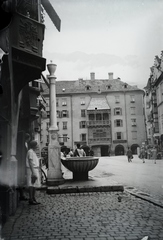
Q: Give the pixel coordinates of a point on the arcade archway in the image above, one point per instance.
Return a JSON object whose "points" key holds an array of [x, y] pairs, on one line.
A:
{"points": [[119, 150]]}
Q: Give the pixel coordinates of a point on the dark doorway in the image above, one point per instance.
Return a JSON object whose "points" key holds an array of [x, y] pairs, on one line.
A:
{"points": [[134, 148], [119, 150], [104, 151]]}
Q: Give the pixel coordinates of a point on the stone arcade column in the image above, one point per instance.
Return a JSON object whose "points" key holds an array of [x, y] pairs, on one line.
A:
{"points": [[54, 175]]}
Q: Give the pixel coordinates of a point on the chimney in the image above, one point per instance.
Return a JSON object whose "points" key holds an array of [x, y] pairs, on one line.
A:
{"points": [[110, 76], [92, 75]]}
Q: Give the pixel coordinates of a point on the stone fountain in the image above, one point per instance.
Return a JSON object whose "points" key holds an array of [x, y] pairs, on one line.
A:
{"points": [[80, 166]]}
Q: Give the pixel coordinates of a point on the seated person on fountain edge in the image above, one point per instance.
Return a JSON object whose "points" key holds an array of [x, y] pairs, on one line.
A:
{"points": [[79, 152], [63, 154]]}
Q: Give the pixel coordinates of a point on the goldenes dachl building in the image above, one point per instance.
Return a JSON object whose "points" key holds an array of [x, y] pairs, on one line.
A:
{"points": [[105, 114]]}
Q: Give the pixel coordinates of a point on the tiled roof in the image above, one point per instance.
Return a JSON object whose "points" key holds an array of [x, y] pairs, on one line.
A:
{"points": [[98, 103], [86, 86]]}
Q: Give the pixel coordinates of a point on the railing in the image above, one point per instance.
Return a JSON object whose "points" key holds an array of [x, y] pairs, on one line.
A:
{"points": [[99, 140], [98, 123]]}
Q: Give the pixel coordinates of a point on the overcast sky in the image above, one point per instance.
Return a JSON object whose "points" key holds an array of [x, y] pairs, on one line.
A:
{"points": [[102, 36]]}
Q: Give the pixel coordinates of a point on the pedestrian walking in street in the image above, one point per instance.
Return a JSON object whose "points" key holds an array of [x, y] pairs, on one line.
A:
{"points": [[33, 172], [149, 153], [142, 153], [154, 154], [79, 152], [129, 155]]}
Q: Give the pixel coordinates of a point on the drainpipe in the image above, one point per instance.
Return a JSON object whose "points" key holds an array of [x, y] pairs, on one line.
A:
{"points": [[126, 117], [72, 137]]}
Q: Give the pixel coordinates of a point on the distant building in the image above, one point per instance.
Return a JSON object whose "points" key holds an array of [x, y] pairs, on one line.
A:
{"points": [[107, 115]]}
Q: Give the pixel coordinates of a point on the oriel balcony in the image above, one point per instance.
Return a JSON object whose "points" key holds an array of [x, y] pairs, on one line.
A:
{"points": [[94, 123]]}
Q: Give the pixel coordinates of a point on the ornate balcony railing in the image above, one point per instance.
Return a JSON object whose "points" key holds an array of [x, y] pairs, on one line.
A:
{"points": [[93, 123], [99, 140]]}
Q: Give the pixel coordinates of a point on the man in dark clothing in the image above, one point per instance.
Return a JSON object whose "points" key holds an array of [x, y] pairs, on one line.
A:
{"points": [[129, 155]]}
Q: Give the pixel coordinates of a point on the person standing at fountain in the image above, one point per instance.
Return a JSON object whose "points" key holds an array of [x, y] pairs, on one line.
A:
{"points": [[79, 152], [22, 189], [33, 172]]}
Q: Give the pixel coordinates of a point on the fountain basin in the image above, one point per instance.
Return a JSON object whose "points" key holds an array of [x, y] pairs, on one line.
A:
{"points": [[80, 166]]}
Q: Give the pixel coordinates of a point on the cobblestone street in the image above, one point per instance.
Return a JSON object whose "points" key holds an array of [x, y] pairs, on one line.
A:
{"points": [[86, 216]]}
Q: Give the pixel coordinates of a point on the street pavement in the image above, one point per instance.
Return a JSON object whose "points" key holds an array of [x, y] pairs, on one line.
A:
{"points": [[99, 209]]}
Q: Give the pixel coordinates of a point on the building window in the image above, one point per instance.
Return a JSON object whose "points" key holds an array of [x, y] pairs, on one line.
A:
{"points": [[83, 137], [82, 124], [34, 84], [134, 134], [83, 113], [64, 113], [162, 120], [117, 99], [64, 125], [105, 116], [64, 137], [64, 102], [88, 87], [117, 111], [99, 133], [119, 135], [133, 121], [132, 98], [58, 114], [91, 117], [47, 125], [132, 110], [57, 102], [82, 101], [118, 123], [48, 113], [108, 87]]}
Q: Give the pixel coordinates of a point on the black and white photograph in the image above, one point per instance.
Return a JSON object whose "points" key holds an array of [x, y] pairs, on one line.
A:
{"points": [[81, 120]]}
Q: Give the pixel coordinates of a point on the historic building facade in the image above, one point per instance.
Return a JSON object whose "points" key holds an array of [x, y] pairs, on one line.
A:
{"points": [[154, 103], [105, 114]]}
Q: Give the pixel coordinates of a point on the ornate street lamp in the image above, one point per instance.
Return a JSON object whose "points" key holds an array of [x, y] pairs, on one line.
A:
{"points": [[54, 174]]}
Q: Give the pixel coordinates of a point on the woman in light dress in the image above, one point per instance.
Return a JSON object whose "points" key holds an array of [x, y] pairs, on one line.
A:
{"points": [[33, 172]]}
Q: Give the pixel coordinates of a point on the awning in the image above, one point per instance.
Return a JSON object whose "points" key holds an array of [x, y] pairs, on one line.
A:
{"points": [[98, 104]]}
